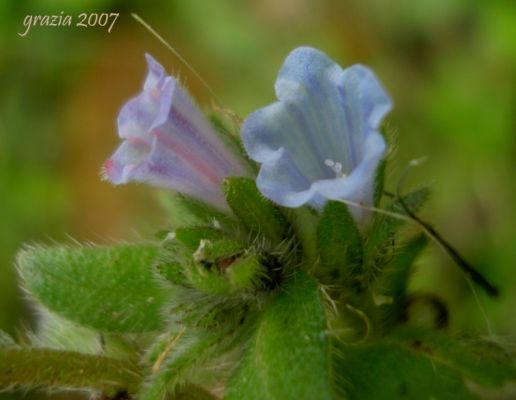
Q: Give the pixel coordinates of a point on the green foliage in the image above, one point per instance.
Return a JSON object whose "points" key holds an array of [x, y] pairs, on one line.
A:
{"points": [[256, 212], [112, 289], [246, 306], [416, 364], [382, 231], [340, 246], [205, 259], [26, 368], [191, 236], [6, 340], [379, 182], [184, 212], [288, 346], [392, 285], [58, 333], [179, 357], [246, 272], [263, 303]]}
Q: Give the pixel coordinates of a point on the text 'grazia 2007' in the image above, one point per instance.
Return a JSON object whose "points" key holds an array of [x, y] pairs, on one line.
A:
{"points": [[83, 20]]}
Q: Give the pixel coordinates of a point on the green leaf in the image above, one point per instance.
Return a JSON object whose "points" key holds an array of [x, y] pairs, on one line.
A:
{"points": [[287, 357], [175, 363], [176, 358], [257, 213], [393, 284], [26, 368], [58, 333], [384, 227], [423, 364], [340, 246], [112, 289]]}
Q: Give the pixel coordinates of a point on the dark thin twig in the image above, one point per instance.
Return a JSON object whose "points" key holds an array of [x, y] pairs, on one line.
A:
{"points": [[471, 272]]}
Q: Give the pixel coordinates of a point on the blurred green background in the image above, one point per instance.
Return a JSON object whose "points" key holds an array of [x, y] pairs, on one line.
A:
{"points": [[450, 66]]}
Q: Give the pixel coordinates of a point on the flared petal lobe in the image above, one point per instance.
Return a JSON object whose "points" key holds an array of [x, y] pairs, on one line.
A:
{"points": [[321, 140], [169, 143]]}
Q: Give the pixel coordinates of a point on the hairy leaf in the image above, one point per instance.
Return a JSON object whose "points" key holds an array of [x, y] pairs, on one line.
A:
{"points": [[379, 181], [417, 364], [340, 246], [393, 284], [186, 211], [112, 289], [287, 358], [179, 356], [384, 227], [257, 213], [28, 368]]}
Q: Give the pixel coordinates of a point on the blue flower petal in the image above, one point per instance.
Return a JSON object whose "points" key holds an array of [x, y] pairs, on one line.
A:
{"points": [[324, 115]]}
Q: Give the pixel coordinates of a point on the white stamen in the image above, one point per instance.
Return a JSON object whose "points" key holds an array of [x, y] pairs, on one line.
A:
{"points": [[200, 253], [335, 167]]}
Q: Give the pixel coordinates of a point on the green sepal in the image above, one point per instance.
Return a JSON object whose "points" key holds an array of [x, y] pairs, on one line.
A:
{"points": [[112, 289], [209, 281], [417, 364], [379, 182], [392, 285], [185, 211], [246, 273], [243, 273], [206, 272], [290, 343], [230, 135], [258, 214], [340, 246], [204, 259], [304, 226], [192, 236], [172, 262], [378, 246], [218, 253]]}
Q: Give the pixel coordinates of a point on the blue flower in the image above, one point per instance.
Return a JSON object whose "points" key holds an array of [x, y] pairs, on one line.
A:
{"points": [[169, 143], [321, 140]]}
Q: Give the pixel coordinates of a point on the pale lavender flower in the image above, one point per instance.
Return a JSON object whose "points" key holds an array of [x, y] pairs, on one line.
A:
{"points": [[169, 143], [321, 140]]}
